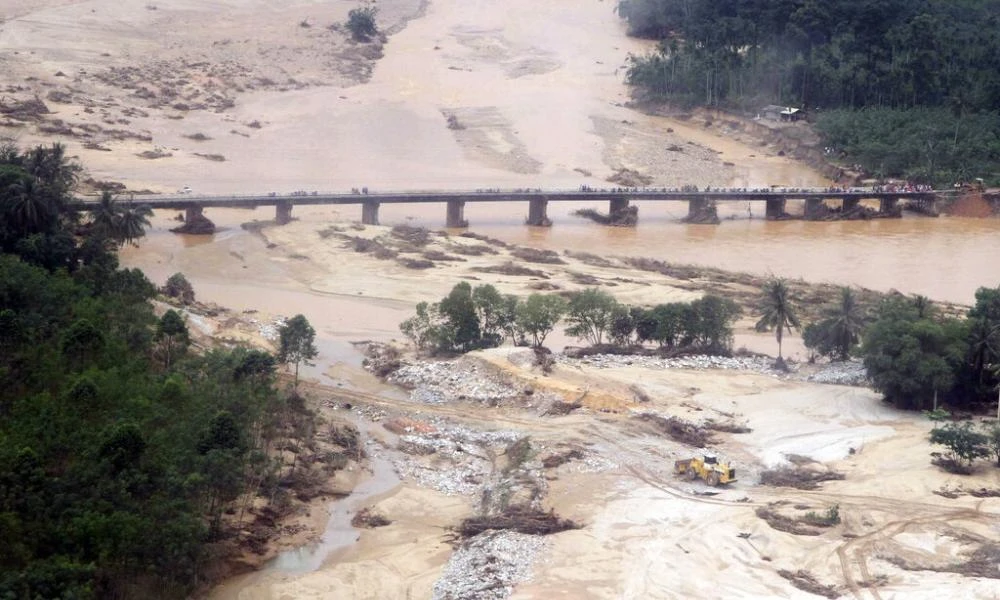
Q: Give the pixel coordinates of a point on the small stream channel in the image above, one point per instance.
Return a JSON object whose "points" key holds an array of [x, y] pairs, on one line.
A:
{"points": [[339, 533]]}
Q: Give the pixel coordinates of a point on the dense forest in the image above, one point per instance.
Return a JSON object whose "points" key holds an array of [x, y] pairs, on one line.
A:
{"points": [[119, 449], [931, 64]]}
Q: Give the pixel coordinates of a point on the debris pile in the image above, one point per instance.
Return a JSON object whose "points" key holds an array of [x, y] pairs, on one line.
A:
{"points": [[841, 373], [450, 381], [488, 566]]}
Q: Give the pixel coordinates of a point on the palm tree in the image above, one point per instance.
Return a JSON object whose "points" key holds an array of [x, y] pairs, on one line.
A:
{"points": [[52, 167], [923, 305], [846, 320], [132, 223], [777, 310], [28, 206], [105, 218]]}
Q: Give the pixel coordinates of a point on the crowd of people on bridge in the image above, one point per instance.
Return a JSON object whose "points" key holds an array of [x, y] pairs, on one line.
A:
{"points": [[774, 189]]}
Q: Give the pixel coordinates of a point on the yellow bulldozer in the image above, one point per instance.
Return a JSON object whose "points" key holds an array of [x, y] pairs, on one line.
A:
{"points": [[707, 467]]}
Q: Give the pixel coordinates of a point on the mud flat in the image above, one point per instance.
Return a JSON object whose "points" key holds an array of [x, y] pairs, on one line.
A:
{"points": [[643, 531]]}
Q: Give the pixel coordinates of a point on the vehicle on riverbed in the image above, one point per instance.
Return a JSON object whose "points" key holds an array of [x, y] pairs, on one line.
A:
{"points": [[707, 468]]}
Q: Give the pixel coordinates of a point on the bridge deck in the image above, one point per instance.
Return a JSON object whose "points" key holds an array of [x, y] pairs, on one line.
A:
{"points": [[181, 201]]}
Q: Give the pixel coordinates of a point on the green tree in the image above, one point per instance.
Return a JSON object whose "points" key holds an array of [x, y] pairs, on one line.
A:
{"points": [[590, 313], [104, 218], [645, 324], [132, 223], [962, 442], [296, 343], [460, 318], [179, 287], [991, 432], [709, 324], [672, 321], [493, 314], [538, 315], [423, 328], [777, 312], [172, 335], [840, 329], [911, 359], [622, 326], [28, 206]]}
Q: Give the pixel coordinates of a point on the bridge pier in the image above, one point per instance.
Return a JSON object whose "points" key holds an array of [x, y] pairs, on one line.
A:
{"points": [[537, 215], [621, 214], [617, 206], [195, 221], [283, 212], [702, 210], [775, 208], [456, 214], [889, 206], [814, 209], [193, 212], [369, 212], [850, 204]]}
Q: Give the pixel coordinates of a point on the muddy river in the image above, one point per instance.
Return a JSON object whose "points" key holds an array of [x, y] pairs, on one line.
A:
{"points": [[946, 258]]}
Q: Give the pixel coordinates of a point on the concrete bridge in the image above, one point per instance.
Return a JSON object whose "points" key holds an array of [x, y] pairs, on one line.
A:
{"points": [[701, 204]]}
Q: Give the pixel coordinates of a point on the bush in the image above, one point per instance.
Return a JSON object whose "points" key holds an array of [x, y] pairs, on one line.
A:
{"points": [[179, 287], [962, 442], [361, 23]]}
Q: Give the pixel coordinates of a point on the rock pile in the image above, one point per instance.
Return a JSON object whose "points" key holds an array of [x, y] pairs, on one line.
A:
{"points": [[449, 381], [453, 460], [839, 373], [850, 372], [488, 566], [757, 364]]}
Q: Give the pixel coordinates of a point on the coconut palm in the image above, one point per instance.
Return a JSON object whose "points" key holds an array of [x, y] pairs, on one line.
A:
{"points": [[777, 311], [27, 205], [52, 168], [845, 322], [132, 223], [106, 216], [924, 306]]}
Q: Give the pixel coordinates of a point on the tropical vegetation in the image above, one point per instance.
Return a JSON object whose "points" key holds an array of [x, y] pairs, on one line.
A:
{"points": [[124, 455], [777, 312], [456, 324], [903, 87]]}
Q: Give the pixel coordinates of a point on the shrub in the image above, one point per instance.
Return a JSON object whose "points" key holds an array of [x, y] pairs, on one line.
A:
{"points": [[179, 287], [962, 442], [361, 23]]}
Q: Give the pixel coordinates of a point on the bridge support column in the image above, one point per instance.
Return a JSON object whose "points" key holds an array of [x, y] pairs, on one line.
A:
{"points": [[814, 209], [369, 212], [195, 221], [889, 206], [775, 208], [621, 214], [283, 212], [850, 204], [537, 213], [617, 206], [456, 214], [702, 210]]}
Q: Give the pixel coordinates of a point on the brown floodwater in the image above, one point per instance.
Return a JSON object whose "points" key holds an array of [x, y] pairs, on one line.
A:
{"points": [[946, 258]]}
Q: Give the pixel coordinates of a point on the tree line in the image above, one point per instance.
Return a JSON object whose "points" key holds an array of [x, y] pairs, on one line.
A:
{"points": [[472, 318], [123, 454], [913, 354], [888, 57]]}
